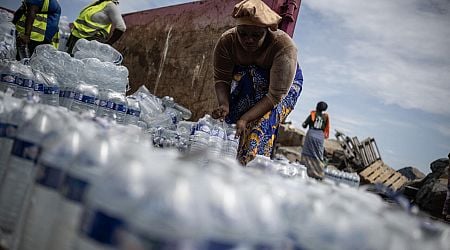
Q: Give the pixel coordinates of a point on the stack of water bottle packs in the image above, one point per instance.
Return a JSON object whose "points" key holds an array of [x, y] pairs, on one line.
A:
{"points": [[7, 36], [341, 177], [81, 167], [69, 182]]}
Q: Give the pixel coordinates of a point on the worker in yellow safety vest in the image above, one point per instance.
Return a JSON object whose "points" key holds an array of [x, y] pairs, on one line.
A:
{"points": [[95, 22], [36, 23]]}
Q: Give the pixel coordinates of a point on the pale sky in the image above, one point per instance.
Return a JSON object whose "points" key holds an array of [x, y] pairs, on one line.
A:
{"points": [[382, 66]]}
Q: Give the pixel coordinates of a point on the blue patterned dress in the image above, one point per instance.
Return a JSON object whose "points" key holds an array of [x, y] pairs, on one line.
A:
{"points": [[250, 84]]}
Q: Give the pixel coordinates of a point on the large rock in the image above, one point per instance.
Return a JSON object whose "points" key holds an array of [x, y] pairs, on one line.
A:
{"points": [[290, 136], [331, 146], [431, 195], [411, 173], [291, 153], [439, 165]]}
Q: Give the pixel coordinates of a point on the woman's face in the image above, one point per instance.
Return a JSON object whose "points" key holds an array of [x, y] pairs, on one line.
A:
{"points": [[251, 37]]}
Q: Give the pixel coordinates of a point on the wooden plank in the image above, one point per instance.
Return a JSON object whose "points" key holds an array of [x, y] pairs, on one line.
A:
{"points": [[399, 183], [377, 150], [385, 176], [372, 152], [373, 176], [370, 169], [363, 155], [393, 179]]}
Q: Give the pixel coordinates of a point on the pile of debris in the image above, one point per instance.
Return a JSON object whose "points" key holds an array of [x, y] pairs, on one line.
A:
{"points": [[349, 154]]}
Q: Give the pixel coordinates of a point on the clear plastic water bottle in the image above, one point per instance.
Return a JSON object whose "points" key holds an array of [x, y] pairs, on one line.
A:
{"points": [[105, 109], [134, 110], [119, 104], [84, 98], [118, 80], [93, 159], [7, 40], [23, 51], [8, 75], [38, 85], [201, 135], [51, 90], [52, 165], [70, 76], [232, 143], [216, 140], [169, 102], [112, 199], [15, 189], [151, 105], [24, 82], [15, 113]]}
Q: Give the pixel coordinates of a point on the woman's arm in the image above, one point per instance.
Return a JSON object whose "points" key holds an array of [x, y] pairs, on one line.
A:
{"points": [[307, 121], [223, 97], [223, 73]]}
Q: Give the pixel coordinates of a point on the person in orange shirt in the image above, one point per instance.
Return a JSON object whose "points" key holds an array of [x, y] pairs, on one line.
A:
{"points": [[319, 129]]}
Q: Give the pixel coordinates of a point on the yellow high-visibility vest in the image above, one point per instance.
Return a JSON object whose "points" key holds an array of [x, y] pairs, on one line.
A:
{"points": [[55, 40], [84, 27], [39, 24]]}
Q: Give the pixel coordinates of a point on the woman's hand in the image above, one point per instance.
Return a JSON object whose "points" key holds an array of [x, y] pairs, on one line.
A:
{"points": [[220, 112], [241, 127]]}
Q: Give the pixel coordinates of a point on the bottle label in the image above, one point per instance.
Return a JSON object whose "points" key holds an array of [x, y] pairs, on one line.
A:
{"points": [[49, 177], [62, 93], [27, 83], [77, 96], [133, 112], [204, 128], [173, 117], [25, 150], [218, 133], [8, 78], [102, 103], [88, 99], [38, 87], [102, 227], [74, 189], [120, 107], [69, 94], [19, 81], [51, 90], [84, 98], [110, 105], [8, 130]]}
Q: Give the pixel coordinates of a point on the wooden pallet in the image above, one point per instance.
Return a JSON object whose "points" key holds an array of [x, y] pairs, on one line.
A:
{"points": [[378, 172]]}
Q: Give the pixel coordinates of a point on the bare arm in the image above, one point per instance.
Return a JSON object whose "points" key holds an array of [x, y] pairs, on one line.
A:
{"points": [[223, 70], [31, 12], [307, 121], [115, 36], [117, 21]]}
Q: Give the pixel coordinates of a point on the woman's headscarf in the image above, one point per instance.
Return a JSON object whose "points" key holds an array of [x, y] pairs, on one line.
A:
{"points": [[256, 12]]}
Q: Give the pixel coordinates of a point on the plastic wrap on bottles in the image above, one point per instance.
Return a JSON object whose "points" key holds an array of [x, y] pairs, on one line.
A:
{"points": [[94, 49]]}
